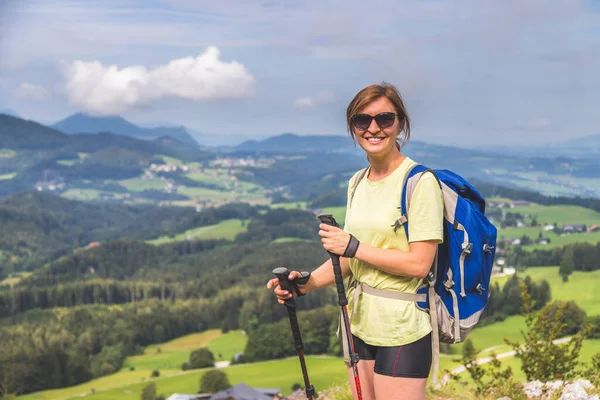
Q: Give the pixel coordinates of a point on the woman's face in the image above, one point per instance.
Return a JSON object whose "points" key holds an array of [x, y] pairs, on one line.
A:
{"points": [[377, 141]]}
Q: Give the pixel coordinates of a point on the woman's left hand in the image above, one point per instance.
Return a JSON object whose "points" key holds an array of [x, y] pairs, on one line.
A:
{"points": [[334, 239]]}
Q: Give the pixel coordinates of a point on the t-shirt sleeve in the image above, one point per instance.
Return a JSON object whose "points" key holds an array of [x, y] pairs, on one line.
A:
{"points": [[426, 211]]}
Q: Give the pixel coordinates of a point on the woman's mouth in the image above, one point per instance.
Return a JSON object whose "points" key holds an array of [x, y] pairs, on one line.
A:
{"points": [[375, 140]]}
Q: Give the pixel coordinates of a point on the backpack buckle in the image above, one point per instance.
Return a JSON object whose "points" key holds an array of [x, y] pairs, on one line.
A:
{"points": [[430, 277], [467, 247], [399, 222], [449, 284], [479, 289]]}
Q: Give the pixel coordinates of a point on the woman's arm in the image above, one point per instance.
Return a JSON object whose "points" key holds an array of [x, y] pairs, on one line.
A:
{"points": [[415, 263]]}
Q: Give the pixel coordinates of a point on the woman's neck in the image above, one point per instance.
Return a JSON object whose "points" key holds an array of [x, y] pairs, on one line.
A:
{"points": [[382, 167]]}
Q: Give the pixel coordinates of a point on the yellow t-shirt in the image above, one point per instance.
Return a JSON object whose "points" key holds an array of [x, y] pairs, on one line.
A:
{"points": [[376, 205]]}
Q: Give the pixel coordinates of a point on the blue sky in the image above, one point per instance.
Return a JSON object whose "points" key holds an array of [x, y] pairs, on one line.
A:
{"points": [[472, 72]]}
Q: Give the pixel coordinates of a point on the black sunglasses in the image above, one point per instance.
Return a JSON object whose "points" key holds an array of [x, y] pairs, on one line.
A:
{"points": [[384, 120]]}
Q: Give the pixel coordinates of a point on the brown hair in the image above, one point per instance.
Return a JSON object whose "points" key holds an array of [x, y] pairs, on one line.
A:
{"points": [[372, 93]]}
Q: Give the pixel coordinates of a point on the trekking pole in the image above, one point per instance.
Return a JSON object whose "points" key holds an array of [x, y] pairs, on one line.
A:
{"points": [[343, 301], [290, 304]]}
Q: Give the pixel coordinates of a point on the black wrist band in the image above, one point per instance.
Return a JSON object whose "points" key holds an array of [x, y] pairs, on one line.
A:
{"points": [[351, 247]]}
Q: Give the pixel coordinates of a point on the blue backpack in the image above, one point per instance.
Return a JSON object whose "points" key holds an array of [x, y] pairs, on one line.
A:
{"points": [[457, 288]]}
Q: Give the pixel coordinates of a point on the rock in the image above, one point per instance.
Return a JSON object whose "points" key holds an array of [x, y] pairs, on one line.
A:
{"points": [[533, 389], [576, 391]]}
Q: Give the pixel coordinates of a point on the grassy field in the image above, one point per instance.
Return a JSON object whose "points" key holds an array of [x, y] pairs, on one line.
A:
{"points": [[583, 287], [175, 352], [227, 229], [138, 184], [165, 357], [339, 213], [206, 194], [7, 153], [282, 374], [208, 178], [225, 346], [81, 194], [547, 215], [290, 206], [561, 214], [69, 163], [6, 177], [324, 372], [14, 278]]}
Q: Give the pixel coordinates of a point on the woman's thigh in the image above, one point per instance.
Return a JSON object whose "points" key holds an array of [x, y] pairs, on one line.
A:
{"points": [[401, 372], [365, 374]]}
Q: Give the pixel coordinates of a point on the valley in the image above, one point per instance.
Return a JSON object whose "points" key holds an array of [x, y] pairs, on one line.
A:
{"points": [[120, 254]]}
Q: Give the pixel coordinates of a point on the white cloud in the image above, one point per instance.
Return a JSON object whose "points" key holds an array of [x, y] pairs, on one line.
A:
{"points": [[109, 89], [30, 91], [304, 102], [321, 97]]}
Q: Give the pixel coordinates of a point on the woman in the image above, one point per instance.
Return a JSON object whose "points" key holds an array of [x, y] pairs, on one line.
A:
{"points": [[392, 337]]}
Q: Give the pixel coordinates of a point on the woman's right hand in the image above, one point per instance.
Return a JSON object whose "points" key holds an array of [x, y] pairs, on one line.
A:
{"points": [[282, 294]]}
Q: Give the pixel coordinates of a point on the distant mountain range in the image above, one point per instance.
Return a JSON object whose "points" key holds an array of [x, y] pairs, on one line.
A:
{"points": [[570, 169], [10, 112], [84, 123]]}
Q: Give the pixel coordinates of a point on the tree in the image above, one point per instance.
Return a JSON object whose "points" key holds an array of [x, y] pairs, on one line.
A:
{"points": [[541, 358], [149, 392], [573, 318], [567, 264], [214, 381], [201, 358]]}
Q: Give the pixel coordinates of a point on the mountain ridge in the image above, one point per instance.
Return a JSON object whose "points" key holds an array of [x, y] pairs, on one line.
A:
{"points": [[81, 123]]}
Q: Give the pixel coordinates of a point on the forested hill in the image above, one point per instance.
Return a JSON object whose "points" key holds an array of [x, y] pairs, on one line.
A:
{"points": [[20, 134], [495, 190], [38, 227]]}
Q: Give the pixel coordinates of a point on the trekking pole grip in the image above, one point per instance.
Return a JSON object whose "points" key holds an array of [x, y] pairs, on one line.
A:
{"points": [[282, 274], [339, 279], [335, 260]]}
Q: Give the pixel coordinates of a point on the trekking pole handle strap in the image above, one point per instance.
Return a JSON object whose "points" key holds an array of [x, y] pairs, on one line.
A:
{"points": [[351, 248]]}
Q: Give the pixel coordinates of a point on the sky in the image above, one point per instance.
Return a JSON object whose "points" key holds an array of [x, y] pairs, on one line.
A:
{"points": [[472, 73]]}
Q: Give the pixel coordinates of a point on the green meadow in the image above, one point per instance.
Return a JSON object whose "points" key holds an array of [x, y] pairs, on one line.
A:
{"points": [[212, 178], [227, 229], [139, 184], [171, 355], [325, 371], [5, 177], [547, 215], [165, 357], [583, 287], [81, 194], [7, 153], [206, 194]]}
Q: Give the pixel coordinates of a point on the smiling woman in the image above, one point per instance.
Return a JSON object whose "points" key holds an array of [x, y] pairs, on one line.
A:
{"points": [[392, 338]]}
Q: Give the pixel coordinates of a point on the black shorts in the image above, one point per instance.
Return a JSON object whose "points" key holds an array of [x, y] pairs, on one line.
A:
{"points": [[412, 360]]}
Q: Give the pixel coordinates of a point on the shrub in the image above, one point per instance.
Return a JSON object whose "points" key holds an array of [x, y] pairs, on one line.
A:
{"points": [[214, 381], [201, 358]]}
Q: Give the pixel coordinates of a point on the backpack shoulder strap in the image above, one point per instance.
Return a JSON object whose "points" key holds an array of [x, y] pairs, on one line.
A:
{"points": [[358, 177], [408, 188]]}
